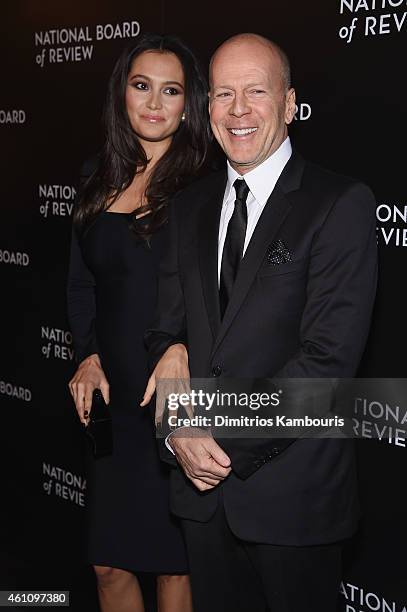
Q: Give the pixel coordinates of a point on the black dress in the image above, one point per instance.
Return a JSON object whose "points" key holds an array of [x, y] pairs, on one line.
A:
{"points": [[111, 296]]}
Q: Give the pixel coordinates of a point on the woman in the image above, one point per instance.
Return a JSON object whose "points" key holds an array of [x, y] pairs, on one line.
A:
{"points": [[156, 141]]}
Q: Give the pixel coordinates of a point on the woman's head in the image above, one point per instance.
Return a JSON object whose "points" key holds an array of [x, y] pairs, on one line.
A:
{"points": [[154, 96], [157, 92]]}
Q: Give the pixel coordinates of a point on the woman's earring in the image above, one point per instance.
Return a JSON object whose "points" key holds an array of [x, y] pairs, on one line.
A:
{"points": [[183, 117]]}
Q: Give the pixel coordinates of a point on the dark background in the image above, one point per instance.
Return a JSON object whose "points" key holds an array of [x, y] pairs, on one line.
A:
{"points": [[356, 91]]}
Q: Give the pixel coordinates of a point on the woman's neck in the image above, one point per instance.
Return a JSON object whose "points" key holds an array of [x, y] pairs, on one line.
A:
{"points": [[155, 150], [134, 196]]}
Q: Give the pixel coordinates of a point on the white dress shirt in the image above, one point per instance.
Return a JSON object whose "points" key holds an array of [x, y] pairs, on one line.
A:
{"points": [[261, 182]]}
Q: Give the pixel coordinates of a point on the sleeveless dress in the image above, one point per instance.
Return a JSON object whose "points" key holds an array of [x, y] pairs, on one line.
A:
{"points": [[111, 298]]}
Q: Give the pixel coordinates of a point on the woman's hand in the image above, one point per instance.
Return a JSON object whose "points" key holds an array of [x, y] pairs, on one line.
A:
{"points": [[171, 375], [88, 377]]}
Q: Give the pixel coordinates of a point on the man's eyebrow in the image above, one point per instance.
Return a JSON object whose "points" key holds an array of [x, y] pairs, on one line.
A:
{"points": [[254, 84]]}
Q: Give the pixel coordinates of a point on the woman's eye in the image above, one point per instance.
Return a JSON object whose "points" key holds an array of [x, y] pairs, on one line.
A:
{"points": [[172, 91], [140, 85]]}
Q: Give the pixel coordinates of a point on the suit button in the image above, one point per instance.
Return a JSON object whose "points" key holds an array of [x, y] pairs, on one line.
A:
{"points": [[275, 451], [217, 370]]}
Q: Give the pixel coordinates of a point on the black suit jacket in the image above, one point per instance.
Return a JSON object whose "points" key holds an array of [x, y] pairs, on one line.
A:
{"points": [[305, 318]]}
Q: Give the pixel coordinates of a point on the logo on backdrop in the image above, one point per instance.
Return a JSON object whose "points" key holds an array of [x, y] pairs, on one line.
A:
{"points": [[393, 229], [302, 112], [380, 420], [56, 200], [15, 258], [15, 391], [57, 343], [12, 116], [368, 18], [76, 44], [64, 484], [358, 599]]}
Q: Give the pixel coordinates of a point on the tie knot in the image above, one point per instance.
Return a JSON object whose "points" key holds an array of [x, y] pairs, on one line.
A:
{"points": [[241, 189]]}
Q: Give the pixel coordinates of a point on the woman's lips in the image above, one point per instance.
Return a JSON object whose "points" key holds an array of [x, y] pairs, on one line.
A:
{"points": [[153, 118]]}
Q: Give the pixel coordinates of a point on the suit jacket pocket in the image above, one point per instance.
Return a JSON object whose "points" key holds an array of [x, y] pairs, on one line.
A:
{"points": [[268, 269]]}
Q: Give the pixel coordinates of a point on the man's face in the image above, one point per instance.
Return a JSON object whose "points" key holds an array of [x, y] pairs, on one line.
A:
{"points": [[249, 105]]}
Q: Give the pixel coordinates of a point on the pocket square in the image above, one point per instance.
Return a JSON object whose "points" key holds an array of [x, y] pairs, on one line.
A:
{"points": [[278, 253]]}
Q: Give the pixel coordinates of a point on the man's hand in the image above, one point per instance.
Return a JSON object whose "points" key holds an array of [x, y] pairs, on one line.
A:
{"points": [[172, 367], [88, 376], [201, 458]]}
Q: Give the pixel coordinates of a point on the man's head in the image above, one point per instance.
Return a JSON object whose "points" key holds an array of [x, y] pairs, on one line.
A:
{"points": [[251, 101]]}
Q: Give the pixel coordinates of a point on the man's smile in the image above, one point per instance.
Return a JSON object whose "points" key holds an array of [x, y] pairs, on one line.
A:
{"points": [[242, 131]]}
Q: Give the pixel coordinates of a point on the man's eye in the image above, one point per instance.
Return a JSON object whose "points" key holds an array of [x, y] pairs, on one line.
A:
{"points": [[257, 91], [223, 94]]}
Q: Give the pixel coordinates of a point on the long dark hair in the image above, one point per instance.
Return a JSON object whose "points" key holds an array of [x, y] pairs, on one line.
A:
{"points": [[123, 155]]}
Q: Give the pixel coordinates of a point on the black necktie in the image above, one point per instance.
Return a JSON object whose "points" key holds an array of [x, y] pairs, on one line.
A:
{"points": [[234, 243]]}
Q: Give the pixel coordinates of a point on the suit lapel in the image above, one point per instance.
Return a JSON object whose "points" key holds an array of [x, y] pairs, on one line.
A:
{"points": [[275, 211], [208, 249]]}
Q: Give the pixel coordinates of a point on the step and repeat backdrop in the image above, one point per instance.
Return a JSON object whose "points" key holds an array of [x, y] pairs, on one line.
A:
{"points": [[347, 60]]}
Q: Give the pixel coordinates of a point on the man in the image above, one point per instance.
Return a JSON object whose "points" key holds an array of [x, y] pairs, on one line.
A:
{"points": [[270, 272]]}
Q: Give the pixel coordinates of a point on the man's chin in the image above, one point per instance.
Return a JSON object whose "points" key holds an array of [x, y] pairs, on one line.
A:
{"points": [[243, 163], [242, 156]]}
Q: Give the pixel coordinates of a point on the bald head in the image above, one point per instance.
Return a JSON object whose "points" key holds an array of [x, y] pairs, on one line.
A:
{"points": [[266, 46]]}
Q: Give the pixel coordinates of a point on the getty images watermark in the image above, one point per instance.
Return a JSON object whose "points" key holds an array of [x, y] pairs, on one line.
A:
{"points": [[285, 408], [201, 400]]}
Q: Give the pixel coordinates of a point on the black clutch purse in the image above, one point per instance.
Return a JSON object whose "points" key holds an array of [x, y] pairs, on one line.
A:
{"points": [[99, 428]]}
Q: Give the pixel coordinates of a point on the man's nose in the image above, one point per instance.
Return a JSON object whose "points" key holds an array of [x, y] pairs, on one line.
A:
{"points": [[154, 100], [240, 106]]}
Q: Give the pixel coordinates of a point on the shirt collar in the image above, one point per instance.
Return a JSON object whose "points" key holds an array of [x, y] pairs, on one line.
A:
{"points": [[262, 179]]}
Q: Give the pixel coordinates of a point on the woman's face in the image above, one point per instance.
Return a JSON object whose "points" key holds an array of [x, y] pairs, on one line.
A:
{"points": [[155, 95]]}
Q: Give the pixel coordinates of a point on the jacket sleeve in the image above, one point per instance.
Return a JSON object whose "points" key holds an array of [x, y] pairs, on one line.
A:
{"points": [[335, 323], [169, 322], [341, 291]]}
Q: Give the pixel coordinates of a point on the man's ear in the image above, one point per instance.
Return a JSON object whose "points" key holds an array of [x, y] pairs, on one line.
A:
{"points": [[209, 101], [290, 106]]}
